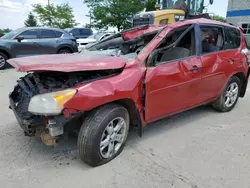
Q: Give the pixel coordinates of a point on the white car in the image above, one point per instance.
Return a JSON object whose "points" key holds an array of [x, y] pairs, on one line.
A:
{"points": [[91, 39]]}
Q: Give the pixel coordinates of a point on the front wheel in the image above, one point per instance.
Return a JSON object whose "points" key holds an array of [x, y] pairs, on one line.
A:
{"points": [[3, 61], [103, 134], [64, 51], [229, 96]]}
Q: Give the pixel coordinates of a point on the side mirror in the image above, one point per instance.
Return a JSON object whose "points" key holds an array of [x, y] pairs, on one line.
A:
{"points": [[211, 1], [20, 38]]}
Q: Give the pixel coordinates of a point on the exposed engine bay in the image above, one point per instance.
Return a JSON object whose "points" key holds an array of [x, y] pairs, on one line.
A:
{"points": [[44, 82]]}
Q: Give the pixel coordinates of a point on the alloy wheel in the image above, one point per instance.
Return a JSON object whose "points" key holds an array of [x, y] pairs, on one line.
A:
{"points": [[113, 137], [231, 94], [2, 61]]}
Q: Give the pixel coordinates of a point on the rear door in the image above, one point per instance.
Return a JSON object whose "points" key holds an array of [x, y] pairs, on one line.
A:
{"points": [[49, 40], [173, 80], [28, 46], [219, 57]]}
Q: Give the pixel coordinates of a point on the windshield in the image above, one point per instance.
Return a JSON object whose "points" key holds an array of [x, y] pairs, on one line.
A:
{"points": [[11, 34], [121, 45], [195, 6], [96, 36]]}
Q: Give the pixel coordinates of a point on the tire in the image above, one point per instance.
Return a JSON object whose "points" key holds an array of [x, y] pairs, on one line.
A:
{"points": [[64, 51], [3, 61], [95, 129], [221, 103]]}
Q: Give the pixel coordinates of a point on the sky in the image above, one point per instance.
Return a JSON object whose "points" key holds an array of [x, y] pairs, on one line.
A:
{"points": [[14, 12]]}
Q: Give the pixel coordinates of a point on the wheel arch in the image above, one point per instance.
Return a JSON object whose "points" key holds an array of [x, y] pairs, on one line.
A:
{"points": [[65, 47], [5, 52], [136, 119], [243, 81]]}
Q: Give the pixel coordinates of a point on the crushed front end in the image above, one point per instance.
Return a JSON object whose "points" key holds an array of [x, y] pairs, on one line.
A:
{"points": [[38, 102], [45, 127]]}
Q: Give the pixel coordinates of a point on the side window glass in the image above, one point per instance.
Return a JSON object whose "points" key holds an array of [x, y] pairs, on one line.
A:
{"points": [[30, 34], [164, 22], [85, 32], [246, 27], [212, 39], [75, 32], [58, 34], [179, 44], [47, 34], [233, 39]]}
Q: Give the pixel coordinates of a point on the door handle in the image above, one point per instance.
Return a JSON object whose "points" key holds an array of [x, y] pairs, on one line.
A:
{"points": [[195, 68]]}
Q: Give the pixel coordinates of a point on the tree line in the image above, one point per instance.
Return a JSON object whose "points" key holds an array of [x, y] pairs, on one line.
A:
{"points": [[102, 14]]}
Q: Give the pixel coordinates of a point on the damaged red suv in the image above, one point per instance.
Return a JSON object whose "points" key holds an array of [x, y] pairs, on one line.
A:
{"points": [[129, 80]]}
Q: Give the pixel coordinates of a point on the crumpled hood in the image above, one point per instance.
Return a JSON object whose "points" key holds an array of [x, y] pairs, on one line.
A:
{"points": [[67, 62]]}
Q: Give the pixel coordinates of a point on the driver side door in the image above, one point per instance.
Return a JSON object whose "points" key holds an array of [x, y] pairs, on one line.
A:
{"points": [[174, 80], [28, 46]]}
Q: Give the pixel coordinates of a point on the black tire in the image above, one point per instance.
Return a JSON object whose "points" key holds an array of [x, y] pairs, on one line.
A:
{"points": [[219, 104], [3, 56], [93, 127], [64, 51]]}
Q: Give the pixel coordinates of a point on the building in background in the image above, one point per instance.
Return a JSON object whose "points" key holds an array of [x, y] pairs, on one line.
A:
{"points": [[238, 13]]}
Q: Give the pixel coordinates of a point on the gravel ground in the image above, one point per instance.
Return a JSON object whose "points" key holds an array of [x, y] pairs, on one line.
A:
{"points": [[198, 148]]}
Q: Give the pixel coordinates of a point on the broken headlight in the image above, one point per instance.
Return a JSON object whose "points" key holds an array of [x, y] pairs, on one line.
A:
{"points": [[50, 103]]}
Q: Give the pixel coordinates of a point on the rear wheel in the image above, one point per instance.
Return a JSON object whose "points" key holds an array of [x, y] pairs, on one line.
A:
{"points": [[103, 134], [229, 96], [3, 61], [64, 51]]}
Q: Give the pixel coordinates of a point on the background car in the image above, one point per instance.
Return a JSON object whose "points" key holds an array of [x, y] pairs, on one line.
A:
{"points": [[82, 43], [80, 32], [35, 41]]}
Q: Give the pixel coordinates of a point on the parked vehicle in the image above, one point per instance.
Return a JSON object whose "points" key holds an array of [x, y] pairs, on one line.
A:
{"points": [[30, 41], [82, 43], [172, 11], [129, 80], [79, 33]]}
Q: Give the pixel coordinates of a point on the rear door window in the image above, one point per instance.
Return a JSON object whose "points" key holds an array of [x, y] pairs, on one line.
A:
{"points": [[212, 39], [47, 34], [232, 38], [58, 34]]}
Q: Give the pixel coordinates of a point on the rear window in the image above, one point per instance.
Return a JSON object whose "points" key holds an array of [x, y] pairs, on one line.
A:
{"points": [[232, 36]]}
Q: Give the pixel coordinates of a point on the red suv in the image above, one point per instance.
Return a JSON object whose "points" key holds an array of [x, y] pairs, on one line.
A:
{"points": [[129, 80]]}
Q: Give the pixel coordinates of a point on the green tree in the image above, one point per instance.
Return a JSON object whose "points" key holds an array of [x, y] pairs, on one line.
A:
{"points": [[150, 5], [113, 13], [31, 21], [4, 31], [55, 15], [219, 18]]}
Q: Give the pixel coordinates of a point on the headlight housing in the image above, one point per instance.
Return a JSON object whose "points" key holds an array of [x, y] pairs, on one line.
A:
{"points": [[50, 103]]}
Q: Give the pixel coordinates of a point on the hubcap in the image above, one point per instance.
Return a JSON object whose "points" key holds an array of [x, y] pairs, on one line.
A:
{"points": [[113, 137], [231, 94], [2, 61]]}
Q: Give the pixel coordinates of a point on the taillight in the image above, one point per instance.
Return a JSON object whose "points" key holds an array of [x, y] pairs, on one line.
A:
{"points": [[247, 54]]}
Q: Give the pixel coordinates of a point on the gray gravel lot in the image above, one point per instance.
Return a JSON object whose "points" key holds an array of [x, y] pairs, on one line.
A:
{"points": [[198, 148]]}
